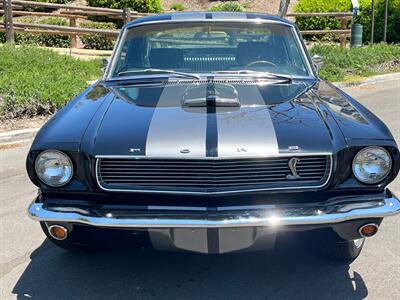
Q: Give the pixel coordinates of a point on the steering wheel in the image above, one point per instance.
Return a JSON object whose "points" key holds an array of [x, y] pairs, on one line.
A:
{"points": [[259, 62]]}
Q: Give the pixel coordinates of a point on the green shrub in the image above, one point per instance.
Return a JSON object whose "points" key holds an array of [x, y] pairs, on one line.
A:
{"points": [[364, 17], [363, 61], [145, 6], [228, 6], [46, 40], [36, 81], [54, 40], [177, 7], [98, 41]]}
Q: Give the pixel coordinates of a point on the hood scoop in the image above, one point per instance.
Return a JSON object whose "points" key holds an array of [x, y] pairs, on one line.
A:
{"points": [[210, 94]]}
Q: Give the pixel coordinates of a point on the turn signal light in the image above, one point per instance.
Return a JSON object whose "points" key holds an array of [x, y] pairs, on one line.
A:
{"points": [[368, 230], [58, 232]]}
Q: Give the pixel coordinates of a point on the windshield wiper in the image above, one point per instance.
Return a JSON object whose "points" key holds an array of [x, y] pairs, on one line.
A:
{"points": [[160, 71], [258, 74]]}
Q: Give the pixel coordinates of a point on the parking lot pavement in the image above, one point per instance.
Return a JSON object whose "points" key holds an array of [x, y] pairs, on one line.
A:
{"points": [[30, 267]]}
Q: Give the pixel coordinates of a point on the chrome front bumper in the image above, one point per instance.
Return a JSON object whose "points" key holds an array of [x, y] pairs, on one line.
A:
{"points": [[226, 217]]}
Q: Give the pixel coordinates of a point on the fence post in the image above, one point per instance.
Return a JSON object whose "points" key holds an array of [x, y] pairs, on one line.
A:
{"points": [[8, 21], [74, 40], [283, 7], [385, 21], [372, 21], [126, 15], [343, 25]]}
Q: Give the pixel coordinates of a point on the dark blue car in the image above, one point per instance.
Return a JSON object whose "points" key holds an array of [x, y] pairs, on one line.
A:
{"points": [[213, 133]]}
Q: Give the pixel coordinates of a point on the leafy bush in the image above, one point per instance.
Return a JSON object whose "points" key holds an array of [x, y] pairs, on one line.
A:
{"points": [[228, 6], [363, 61], [393, 28], [54, 40], [47, 40], [97, 41], [145, 6], [36, 81], [364, 17], [177, 7]]}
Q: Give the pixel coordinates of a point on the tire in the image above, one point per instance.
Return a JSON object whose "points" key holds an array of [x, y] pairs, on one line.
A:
{"points": [[79, 240], [346, 250]]}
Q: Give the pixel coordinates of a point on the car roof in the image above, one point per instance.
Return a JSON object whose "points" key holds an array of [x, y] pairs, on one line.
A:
{"points": [[196, 16]]}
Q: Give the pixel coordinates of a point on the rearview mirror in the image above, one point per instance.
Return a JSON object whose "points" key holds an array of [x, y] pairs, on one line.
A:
{"points": [[105, 63], [318, 61]]}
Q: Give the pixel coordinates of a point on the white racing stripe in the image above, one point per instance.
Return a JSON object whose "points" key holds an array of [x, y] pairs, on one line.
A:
{"points": [[248, 131], [173, 130], [189, 16]]}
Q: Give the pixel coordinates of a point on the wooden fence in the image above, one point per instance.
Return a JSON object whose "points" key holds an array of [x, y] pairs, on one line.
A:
{"points": [[15, 8], [343, 32]]}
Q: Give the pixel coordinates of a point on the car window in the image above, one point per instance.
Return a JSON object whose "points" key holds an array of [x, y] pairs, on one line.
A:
{"points": [[212, 47]]}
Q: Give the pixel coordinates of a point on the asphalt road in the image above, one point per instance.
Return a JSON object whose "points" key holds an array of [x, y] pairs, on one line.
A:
{"points": [[30, 267]]}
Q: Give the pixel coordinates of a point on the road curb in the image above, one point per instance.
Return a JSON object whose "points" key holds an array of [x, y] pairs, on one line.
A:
{"points": [[17, 136], [370, 80]]}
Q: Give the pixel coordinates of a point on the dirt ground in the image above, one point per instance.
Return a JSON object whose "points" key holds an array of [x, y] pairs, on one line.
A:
{"points": [[16, 124], [265, 6]]}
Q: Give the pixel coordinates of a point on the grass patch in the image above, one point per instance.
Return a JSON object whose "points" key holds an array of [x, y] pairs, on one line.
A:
{"points": [[348, 64], [36, 81]]}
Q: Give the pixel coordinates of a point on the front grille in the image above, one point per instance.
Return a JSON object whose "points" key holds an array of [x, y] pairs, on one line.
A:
{"points": [[210, 175]]}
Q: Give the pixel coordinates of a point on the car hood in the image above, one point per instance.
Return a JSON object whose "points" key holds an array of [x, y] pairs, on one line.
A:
{"points": [[272, 119]]}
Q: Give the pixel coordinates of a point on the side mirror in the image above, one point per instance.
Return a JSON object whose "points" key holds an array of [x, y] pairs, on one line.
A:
{"points": [[105, 63], [318, 61]]}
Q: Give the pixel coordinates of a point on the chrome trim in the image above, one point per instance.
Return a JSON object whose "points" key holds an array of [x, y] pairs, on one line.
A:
{"points": [[122, 35], [256, 21], [116, 51], [305, 214], [147, 191], [282, 154]]}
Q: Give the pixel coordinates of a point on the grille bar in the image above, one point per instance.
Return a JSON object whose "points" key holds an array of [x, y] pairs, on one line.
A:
{"points": [[196, 176]]}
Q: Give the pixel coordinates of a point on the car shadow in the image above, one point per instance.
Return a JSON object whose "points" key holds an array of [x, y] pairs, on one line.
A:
{"points": [[135, 271]]}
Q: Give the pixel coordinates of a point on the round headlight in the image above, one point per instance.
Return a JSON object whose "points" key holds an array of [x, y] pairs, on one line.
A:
{"points": [[372, 164], [54, 168]]}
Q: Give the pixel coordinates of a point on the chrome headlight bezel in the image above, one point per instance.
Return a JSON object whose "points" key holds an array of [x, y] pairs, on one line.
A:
{"points": [[68, 164], [355, 164]]}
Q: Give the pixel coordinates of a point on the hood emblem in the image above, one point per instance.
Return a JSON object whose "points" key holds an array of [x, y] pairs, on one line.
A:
{"points": [[293, 168], [185, 151]]}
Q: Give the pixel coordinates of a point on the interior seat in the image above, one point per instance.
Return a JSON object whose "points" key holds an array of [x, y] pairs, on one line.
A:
{"points": [[166, 58]]}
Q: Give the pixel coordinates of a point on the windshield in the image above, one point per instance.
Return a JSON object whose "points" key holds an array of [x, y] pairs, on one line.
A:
{"points": [[212, 47]]}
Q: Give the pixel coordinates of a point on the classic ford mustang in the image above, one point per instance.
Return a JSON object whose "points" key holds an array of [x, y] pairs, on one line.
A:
{"points": [[213, 133]]}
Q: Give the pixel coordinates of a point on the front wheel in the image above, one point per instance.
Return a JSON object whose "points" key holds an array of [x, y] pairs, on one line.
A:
{"points": [[346, 250]]}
